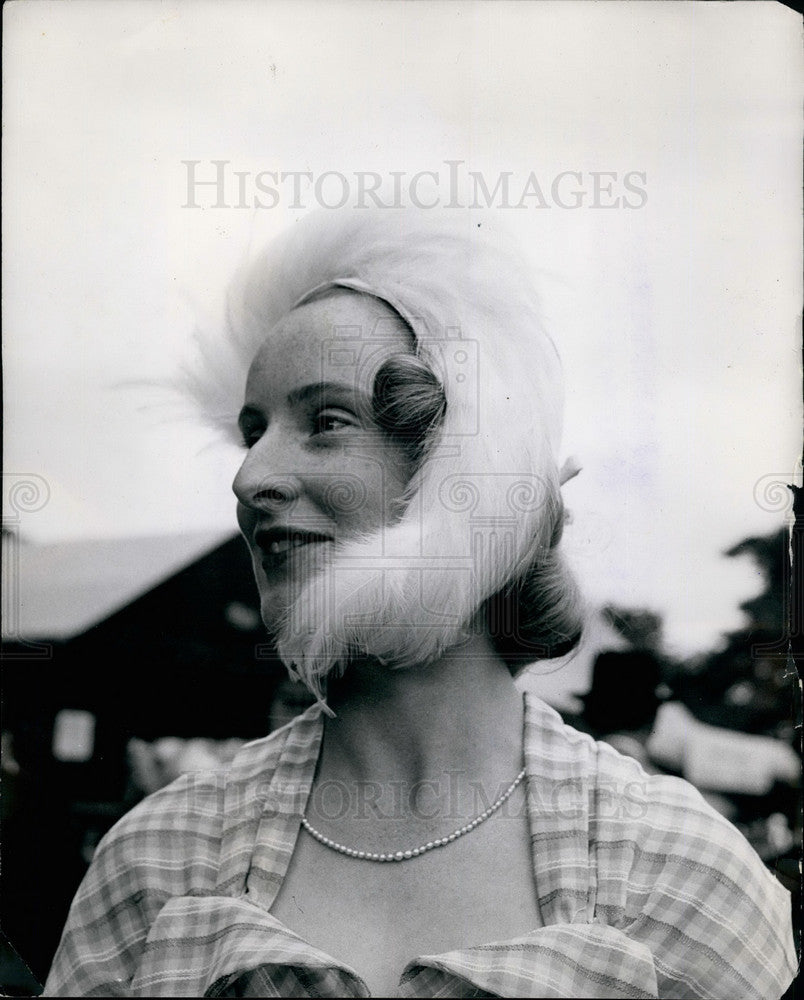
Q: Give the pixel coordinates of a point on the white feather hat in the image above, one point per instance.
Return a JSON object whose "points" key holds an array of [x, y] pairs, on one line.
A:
{"points": [[483, 504]]}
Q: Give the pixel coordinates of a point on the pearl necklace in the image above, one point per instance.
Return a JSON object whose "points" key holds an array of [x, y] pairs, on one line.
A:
{"points": [[414, 852]]}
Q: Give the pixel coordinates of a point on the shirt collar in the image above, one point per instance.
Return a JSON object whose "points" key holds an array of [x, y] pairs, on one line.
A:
{"points": [[264, 810]]}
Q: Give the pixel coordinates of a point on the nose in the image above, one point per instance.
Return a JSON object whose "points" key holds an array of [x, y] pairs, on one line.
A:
{"points": [[260, 486]]}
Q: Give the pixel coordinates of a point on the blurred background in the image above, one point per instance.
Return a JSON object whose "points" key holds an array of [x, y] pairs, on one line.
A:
{"points": [[132, 644]]}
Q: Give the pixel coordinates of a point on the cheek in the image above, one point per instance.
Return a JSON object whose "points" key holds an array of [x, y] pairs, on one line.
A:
{"points": [[367, 495]]}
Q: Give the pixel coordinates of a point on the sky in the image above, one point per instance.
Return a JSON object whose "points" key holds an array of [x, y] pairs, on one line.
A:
{"points": [[672, 287]]}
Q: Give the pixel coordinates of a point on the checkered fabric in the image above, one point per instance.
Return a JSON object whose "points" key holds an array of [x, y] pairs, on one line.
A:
{"points": [[644, 890]]}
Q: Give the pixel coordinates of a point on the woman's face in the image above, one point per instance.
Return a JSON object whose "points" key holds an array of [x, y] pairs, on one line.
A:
{"points": [[318, 469]]}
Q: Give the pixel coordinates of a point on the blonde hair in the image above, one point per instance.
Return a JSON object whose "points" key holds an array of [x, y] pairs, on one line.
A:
{"points": [[480, 402]]}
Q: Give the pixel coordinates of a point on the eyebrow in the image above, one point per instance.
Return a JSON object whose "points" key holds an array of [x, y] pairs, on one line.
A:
{"points": [[318, 389], [306, 393]]}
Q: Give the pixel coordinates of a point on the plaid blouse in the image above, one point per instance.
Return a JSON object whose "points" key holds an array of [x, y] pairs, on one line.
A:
{"points": [[644, 890]]}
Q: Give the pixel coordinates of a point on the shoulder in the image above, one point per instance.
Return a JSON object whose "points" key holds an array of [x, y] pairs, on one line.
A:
{"points": [[670, 872], [171, 840], [170, 845], [677, 876]]}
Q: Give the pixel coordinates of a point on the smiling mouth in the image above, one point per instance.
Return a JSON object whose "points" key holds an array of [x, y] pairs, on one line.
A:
{"points": [[279, 544]]}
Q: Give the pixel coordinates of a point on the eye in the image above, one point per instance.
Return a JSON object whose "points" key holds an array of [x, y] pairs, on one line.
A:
{"points": [[248, 440], [333, 419], [251, 429]]}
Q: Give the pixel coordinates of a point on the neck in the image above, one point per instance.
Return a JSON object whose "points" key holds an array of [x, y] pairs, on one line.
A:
{"points": [[461, 714]]}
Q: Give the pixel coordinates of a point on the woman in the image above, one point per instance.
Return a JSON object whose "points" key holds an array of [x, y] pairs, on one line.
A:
{"points": [[421, 830]]}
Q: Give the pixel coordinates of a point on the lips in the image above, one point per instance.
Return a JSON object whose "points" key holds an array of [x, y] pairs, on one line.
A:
{"points": [[280, 544]]}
